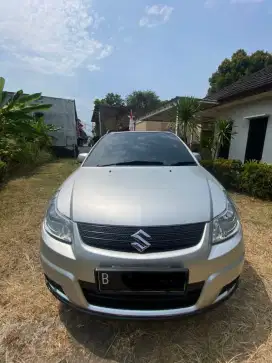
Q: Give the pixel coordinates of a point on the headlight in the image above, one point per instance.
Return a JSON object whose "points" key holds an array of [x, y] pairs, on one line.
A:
{"points": [[57, 225], [226, 224]]}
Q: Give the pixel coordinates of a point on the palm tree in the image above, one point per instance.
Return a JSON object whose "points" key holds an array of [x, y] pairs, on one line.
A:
{"points": [[185, 118], [223, 133]]}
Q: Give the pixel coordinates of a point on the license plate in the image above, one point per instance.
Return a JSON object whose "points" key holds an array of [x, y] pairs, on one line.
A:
{"points": [[142, 281]]}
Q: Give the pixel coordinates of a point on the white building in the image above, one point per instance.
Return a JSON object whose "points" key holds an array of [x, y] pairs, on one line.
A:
{"points": [[248, 103]]}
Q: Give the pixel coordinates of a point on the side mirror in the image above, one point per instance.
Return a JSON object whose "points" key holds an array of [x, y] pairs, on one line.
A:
{"points": [[197, 156], [81, 157]]}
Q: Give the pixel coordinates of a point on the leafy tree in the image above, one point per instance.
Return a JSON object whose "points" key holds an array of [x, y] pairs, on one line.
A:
{"points": [[137, 100], [238, 66], [145, 100], [114, 99], [185, 118], [111, 99], [98, 102]]}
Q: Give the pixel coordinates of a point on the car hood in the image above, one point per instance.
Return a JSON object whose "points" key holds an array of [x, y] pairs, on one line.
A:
{"points": [[141, 196]]}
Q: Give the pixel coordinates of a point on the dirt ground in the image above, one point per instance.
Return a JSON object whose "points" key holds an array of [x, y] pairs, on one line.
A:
{"points": [[34, 327]]}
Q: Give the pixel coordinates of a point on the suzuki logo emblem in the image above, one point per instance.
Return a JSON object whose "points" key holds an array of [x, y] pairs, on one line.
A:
{"points": [[141, 244]]}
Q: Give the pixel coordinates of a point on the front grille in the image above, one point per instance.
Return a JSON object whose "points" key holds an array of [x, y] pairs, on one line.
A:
{"points": [[119, 238], [142, 302]]}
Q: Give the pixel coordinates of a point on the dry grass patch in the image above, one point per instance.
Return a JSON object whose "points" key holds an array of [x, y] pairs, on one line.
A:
{"points": [[35, 328]]}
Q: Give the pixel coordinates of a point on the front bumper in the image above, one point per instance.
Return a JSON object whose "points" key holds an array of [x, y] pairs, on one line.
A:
{"points": [[213, 270]]}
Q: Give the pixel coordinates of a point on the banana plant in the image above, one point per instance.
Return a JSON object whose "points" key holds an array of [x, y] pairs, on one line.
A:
{"points": [[40, 132], [19, 103], [16, 112]]}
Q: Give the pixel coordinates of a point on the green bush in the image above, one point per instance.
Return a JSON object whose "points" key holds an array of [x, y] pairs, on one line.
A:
{"points": [[20, 157], [227, 172], [29, 157], [256, 180], [252, 178]]}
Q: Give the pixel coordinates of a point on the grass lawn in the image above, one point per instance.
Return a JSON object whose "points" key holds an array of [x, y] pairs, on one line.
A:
{"points": [[34, 327]]}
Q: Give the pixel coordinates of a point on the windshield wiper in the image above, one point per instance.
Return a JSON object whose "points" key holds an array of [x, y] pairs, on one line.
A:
{"points": [[184, 163], [134, 162]]}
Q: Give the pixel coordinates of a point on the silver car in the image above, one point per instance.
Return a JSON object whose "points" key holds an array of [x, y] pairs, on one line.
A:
{"points": [[141, 230]]}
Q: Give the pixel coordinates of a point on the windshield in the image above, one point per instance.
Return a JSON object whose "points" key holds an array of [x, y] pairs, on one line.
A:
{"points": [[140, 148]]}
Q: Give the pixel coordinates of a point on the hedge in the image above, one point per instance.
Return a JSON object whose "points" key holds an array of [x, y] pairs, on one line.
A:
{"points": [[252, 178], [23, 163]]}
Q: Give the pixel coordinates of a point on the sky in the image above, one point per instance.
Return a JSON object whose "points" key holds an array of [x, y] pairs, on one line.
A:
{"points": [[83, 49]]}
